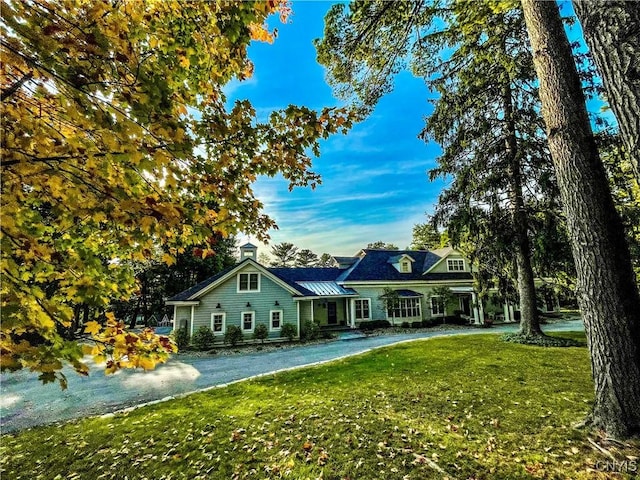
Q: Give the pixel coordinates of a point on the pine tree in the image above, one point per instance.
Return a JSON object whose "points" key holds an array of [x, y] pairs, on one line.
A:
{"points": [[475, 56], [284, 254]]}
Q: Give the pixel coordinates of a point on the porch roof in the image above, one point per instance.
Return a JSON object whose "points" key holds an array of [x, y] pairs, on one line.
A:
{"points": [[406, 293], [327, 289]]}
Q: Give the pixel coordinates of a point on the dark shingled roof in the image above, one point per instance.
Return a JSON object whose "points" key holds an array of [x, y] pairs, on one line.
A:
{"points": [[375, 266], [406, 293]]}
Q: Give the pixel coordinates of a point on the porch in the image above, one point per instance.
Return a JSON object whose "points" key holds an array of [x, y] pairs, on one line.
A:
{"points": [[329, 307]]}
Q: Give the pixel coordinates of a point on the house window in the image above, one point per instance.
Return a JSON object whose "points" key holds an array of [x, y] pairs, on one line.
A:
{"points": [[362, 309], [437, 306], [248, 321], [455, 265], [217, 323], [405, 308], [276, 319], [405, 267], [248, 282]]}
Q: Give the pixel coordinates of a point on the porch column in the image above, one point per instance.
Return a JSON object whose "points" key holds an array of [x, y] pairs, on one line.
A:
{"points": [[193, 310], [313, 317], [481, 312], [507, 318], [476, 314], [352, 313], [175, 318], [511, 316], [298, 316]]}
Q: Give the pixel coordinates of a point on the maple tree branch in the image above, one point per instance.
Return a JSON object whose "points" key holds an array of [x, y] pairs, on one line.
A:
{"points": [[9, 91], [62, 158], [35, 64]]}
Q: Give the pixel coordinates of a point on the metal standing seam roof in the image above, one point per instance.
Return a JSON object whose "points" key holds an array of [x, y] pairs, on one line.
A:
{"points": [[327, 288]]}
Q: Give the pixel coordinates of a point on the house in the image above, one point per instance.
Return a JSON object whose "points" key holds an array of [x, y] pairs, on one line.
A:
{"points": [[348, 294]]}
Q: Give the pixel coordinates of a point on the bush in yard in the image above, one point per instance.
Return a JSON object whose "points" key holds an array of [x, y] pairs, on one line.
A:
{"points": [[310, 330], [381, 324], [289, 331], [404, 325], [181, 337], [365, 326], [233, 335], [455, 320], [261, 332], [203, 339], [416, 324]]}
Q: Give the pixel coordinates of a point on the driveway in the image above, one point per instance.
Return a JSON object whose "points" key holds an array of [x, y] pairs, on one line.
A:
{"points": [[25, 402]]}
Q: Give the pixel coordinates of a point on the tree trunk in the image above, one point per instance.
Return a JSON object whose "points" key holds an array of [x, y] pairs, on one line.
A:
{"points": [[606, 289], [529, 322], [134, 317], [612, 32]]}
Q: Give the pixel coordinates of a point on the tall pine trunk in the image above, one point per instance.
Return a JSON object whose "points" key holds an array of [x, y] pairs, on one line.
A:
{"points": [[606, 289], [529, 322], [612, 32]]}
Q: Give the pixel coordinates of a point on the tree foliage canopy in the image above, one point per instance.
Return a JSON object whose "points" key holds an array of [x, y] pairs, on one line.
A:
{"points": [[116, 141], [425, 236], [380, 245]]}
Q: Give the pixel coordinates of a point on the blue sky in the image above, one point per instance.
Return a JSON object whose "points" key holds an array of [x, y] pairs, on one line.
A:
{"points": [[375, 184]]}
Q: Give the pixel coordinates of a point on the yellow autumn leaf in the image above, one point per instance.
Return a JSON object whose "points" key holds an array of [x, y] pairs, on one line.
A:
{"points": [[99, 359], [147, 363], [168, 259], [111, 369], [146, 223], [92, 328]]}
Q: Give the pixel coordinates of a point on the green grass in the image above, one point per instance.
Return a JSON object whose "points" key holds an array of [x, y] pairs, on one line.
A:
{"points": [[468, 407]]}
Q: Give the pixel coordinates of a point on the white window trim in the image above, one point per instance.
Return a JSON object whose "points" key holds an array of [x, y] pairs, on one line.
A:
{"points": [[431, 307], [450, 260], [253, 321], [355, 310], [271, 328], [249, 282], [224, 322], [403, 306]]}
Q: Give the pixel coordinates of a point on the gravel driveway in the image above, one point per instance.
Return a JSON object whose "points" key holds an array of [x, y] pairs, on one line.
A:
{"points": [[25, 402]]}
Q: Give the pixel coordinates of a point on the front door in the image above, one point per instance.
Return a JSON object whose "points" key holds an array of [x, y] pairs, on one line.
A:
{"points": [[332, 313]]}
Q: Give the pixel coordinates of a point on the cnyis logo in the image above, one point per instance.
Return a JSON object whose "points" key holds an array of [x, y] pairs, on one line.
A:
{"points": [[618, 466]]}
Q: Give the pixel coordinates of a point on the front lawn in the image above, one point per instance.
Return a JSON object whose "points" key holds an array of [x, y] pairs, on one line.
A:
{"points": [[465, 407]]}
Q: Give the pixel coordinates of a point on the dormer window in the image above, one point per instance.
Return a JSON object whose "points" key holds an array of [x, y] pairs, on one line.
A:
{"points": [[402, 263], [455, 265]]}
